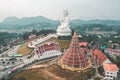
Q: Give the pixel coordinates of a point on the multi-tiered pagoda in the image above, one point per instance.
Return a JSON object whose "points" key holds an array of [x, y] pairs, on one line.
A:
{"points": [[74, 58]]}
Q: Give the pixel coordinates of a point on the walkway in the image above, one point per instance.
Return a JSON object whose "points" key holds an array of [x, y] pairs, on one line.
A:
{"points": [[41, 40]]}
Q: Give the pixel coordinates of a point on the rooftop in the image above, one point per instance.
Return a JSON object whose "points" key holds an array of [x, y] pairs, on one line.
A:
{"points": [[110, 67], [83, 44], [47, 47], [113, 50], [100, 56]]}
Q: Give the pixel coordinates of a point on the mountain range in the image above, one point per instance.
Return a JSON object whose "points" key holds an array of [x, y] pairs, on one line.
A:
{"points": [[40, 22]]}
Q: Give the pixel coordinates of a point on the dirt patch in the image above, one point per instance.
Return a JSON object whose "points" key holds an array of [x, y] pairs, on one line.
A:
{"points": [[38, 74], [54, 72], [64, 73], [33, 74], [51, 75]]}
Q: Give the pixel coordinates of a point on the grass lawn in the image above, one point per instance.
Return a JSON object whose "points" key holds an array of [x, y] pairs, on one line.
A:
{"points": [[63, 43], [24, 49]]}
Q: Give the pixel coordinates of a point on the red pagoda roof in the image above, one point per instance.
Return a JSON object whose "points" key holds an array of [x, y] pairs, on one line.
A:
{"points": [[74, 56], [83, 44]]}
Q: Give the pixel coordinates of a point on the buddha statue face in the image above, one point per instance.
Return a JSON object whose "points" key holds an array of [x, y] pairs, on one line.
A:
{"points": [[65, 13]]}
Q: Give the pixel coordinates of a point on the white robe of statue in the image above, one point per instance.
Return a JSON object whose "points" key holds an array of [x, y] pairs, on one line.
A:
{"points": [[64, 28]]}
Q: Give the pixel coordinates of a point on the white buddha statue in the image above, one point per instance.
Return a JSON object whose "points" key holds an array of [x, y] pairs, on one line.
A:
{"points": [[64, 28]]}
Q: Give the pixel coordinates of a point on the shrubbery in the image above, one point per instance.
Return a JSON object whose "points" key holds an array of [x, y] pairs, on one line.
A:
{"points": [[100, 70]]}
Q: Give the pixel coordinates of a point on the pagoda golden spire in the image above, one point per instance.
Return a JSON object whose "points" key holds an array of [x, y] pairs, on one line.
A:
{"points": [[75, 34]]}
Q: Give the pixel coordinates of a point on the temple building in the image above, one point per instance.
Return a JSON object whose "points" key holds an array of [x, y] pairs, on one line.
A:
{"points": [[112, 52], [111, 71], [64, 27], [74, 58], [99, 57], [48, 50]]}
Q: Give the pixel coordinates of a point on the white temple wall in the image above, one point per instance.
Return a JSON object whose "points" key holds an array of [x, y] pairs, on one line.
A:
{"points": [[49, 54], [109, 75]]}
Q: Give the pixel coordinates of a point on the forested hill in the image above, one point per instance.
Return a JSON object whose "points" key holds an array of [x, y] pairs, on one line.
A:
{"points": [[40, 22]]}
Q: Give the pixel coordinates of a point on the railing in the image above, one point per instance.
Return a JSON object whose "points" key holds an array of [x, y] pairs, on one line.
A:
{"points": [[41, 40]]}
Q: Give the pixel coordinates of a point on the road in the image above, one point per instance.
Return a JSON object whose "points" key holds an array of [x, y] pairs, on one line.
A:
{"points": [[26, 61], [27, 66]]}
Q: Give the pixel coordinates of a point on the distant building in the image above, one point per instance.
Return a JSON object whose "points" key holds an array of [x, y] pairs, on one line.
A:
{"points": [[96, 29], [112, 52], [115, 46], [32, 36], [111, 71], [104, 33], [84, 44]]}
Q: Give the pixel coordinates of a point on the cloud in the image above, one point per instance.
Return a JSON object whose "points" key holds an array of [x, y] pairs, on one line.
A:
{"points": [[105, 9]]}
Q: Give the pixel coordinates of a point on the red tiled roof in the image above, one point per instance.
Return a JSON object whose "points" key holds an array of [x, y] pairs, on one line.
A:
{"points": [[110, 67], [116, 44], [113, 50], [85, 50], [83, 44], [100, 56], [47, 47]]}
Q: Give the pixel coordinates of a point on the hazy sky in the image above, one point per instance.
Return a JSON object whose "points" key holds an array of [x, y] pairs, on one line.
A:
{"points": [[82, 9]]}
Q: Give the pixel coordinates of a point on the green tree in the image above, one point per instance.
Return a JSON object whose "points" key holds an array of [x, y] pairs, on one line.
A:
{"points": [[118, 60], [34, 31], [26, 35], [3, 79], [100, 70]]}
